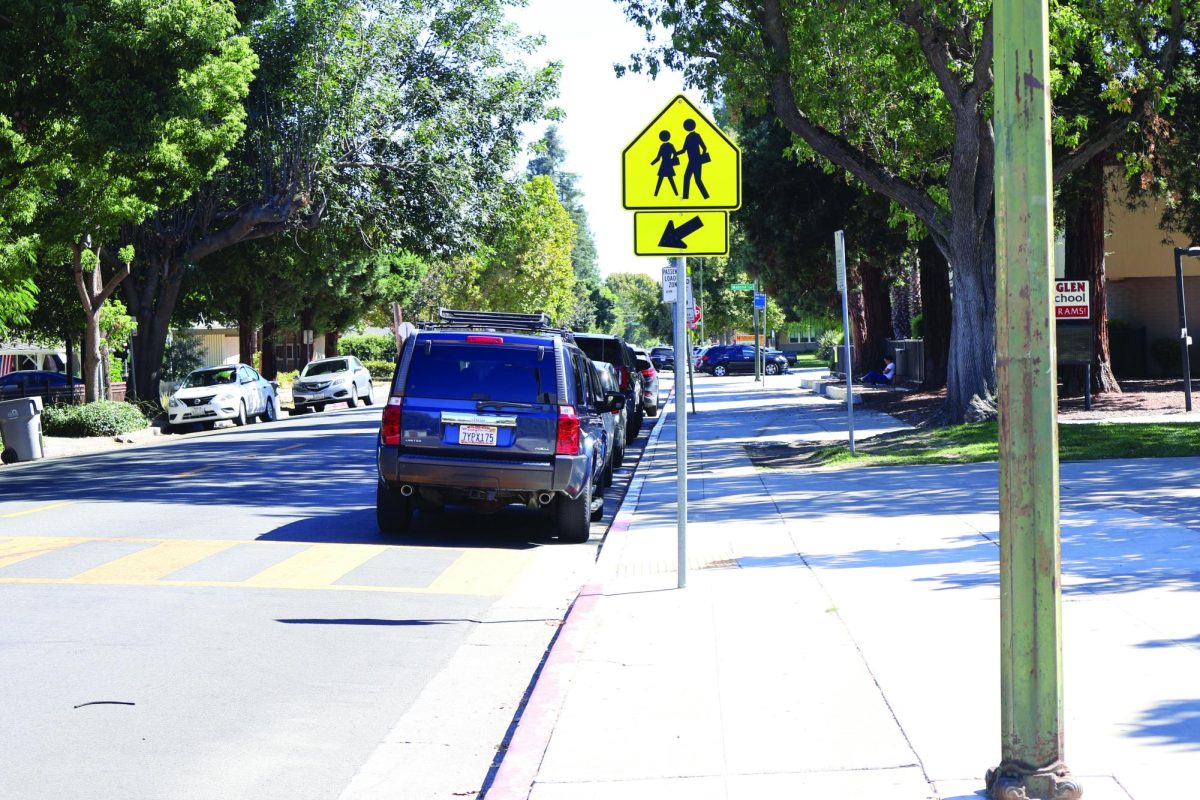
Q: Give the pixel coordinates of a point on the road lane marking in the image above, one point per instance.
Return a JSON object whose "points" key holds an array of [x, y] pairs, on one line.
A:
{"points": [[153, 563], [36, 510], [16, 550], [489, 573], [316, 567], [195, 471], [289, 447]]}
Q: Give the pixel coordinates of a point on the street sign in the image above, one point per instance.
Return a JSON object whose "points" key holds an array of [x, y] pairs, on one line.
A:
{"points": [[1071, 300], [669, 282], [742, 287], [839, 248], [681, 160], [760, 301], [681, 233]]}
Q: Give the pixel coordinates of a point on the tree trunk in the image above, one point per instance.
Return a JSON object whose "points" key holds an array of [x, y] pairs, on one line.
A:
{"points": [[877, 317], [93, 291], [935, 312], [151, 299], [854, 304], [247, 338], [1085, 262], [971, 367], [331, 343], [268, 365]]}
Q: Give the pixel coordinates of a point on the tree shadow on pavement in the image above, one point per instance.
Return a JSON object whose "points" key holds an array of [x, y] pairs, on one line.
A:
{"points": [[514, 529], [1174, 722]]}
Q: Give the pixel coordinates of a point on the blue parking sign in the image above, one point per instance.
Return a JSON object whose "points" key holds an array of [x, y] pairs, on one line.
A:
{"points": [[760, 301]]}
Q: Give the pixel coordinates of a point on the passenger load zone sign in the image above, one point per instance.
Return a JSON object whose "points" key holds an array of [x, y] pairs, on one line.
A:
{"points": [[681, 160], [681, 233]]}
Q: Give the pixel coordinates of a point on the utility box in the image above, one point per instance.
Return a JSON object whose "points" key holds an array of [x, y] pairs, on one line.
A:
{"points": [[21, 429]]}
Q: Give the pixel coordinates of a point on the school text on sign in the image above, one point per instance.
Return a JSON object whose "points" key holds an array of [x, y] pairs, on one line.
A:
{"points": [[1072, 300]]}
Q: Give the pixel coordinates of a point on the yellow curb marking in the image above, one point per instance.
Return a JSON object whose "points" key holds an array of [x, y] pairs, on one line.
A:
{"points": [[14, 551], [489, 573], [36, 510]]}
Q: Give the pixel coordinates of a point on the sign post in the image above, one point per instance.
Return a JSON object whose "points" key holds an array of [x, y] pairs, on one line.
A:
{"points": [[839, 250], [1185, 340], [680, 216]]}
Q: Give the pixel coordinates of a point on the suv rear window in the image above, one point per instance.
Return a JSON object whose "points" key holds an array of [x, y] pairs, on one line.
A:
{"points": [[450, 371], [599, 349]]}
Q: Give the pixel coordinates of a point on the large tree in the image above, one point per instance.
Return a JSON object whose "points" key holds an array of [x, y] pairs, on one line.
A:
{"points": [[128, 105], [896, 92], [391, 120]]}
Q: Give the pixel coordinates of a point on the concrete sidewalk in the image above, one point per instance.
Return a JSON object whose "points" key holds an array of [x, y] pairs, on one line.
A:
{"points": [[839, 633]]}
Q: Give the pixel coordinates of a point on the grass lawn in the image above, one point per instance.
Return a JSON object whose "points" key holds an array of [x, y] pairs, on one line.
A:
{"points": [[809, 360], [974, 442]]}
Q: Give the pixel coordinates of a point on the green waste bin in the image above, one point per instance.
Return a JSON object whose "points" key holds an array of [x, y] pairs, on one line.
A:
{"points": [[21, 429]]}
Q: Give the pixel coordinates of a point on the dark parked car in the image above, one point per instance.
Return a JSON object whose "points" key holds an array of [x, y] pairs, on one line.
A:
{"points": [[663, 358], [619, 353], [724, 360], [487, 410], [40, 382]]}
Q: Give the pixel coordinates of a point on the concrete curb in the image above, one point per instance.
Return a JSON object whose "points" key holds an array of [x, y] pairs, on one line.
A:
{"points": [[523, 757]]}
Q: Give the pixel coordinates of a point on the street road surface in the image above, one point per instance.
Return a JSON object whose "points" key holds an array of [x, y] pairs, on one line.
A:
{"points": [[219, 618]]}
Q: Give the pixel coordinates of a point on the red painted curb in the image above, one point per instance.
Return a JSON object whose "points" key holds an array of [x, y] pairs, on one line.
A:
{"points": [[523, 757]]}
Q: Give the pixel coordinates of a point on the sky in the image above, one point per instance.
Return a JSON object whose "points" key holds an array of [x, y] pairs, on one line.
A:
{"points": [[603, 113]]}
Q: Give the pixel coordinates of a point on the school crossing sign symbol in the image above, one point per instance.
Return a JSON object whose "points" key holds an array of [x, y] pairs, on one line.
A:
{"points": [[684, 165]]}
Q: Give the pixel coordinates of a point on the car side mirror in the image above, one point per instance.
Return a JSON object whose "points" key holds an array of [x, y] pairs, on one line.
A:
{"points": [[614, 401]]}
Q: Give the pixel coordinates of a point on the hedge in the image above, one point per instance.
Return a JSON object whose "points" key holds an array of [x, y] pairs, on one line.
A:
{"points": [[368, 347], [101, 418], [380, 370]]}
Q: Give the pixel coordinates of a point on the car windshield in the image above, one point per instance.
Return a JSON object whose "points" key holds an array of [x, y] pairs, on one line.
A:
{"points": [[452, 371], [210, 377], [324, 367]]}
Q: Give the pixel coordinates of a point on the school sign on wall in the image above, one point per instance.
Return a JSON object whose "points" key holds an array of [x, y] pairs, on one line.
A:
{"points": [[1072, 300]]}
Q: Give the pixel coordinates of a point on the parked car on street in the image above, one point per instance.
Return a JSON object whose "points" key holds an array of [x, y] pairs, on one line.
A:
{"points": [[663, 358], [610, 383], [331, 380], [43, 383], [232, 391], [619, 353], [492, 409], [698, 355], [722, 360], [649, 382]]}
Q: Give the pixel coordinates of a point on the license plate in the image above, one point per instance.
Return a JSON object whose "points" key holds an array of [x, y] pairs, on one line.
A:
{"points": [[483, 435], [195, 412]]}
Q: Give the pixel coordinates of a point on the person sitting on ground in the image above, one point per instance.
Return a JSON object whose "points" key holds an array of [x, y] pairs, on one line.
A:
{"points": [[889, 371]]}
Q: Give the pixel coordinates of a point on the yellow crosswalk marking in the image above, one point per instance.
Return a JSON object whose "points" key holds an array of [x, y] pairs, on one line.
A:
{"points": [[153, 563], [317, 567], [36, 509], [15, 550], [482, 572]]}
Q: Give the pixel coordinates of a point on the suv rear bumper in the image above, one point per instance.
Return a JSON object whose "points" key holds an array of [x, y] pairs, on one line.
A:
{"points": [[564, 474]]}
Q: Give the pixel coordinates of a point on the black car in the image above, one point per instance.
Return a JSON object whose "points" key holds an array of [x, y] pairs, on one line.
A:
{"points": [[663, 358], [618, 352], [728, 359], [488, 410]]}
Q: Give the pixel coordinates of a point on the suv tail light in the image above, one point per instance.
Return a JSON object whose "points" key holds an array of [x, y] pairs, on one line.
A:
{"points": [[568, 432], [476, 339], [624, 378], [704, 358], [650, 373], [392, 412]]}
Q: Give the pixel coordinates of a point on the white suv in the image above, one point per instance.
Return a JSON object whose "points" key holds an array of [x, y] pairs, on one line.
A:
{"points": [[331, 380]]}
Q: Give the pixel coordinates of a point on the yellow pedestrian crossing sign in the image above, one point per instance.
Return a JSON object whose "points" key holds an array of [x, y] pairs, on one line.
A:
{"points": [[681, 160], [681, 233]]}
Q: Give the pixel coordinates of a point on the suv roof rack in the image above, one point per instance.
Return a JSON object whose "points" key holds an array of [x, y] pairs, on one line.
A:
{"points": [[495, 320]]}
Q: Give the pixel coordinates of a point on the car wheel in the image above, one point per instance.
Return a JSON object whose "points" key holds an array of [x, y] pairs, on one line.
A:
{"points": [[772, 369], [573, 518], [719, 370], [393, 513], [240, 420], [353, 400], [272, 412], [369, 399], [318, 407], [607, 480], [619, 455], [299, 410]]}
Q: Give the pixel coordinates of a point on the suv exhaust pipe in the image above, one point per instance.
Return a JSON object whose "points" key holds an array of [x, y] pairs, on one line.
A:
{"points": [[545, 498], [406, 490]]}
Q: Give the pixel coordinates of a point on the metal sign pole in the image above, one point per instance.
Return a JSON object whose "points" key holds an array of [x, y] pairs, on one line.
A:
{"points": [[839, 247], [1184, 340], [681, 346]]}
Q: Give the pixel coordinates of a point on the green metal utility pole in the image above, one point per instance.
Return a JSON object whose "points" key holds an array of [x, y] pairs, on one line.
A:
{"points": [[754, 311], [1031, 694]]}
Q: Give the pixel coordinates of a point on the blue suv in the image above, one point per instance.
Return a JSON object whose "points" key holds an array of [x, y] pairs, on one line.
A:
{"points": [[487, 410]]}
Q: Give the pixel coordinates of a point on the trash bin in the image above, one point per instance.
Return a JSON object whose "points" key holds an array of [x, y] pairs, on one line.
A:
{"points": [[21, 429]]}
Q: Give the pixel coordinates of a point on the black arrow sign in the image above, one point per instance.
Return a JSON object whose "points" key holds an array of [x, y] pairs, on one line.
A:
{"points": [[674, 237]]}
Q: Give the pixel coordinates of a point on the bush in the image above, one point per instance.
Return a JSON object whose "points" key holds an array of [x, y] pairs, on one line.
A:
{"points": [[380, 370], [101, 418], [372, 347], [826, 343], [286, 379], [917, 326]]}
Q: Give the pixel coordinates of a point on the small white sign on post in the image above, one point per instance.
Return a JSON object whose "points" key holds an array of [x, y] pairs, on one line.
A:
{"points": [[1072, 300], [669, 284], [839, 243]]}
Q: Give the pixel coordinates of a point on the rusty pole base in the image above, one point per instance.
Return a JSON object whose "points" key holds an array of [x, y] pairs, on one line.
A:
{"points": [[1014, 781]]}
